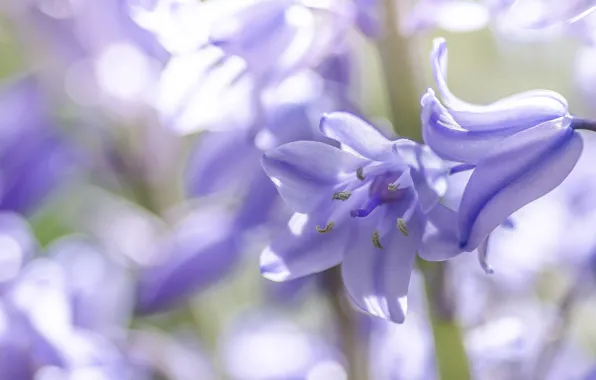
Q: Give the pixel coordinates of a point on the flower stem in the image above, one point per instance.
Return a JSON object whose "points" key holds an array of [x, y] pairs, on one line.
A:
{"points": [[400, 77], [353, 345], [450, 353], [403, 95]]}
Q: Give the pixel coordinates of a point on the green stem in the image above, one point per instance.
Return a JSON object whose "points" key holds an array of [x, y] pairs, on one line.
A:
{"points": [[403, 95], [400, 76], [450, 353]]}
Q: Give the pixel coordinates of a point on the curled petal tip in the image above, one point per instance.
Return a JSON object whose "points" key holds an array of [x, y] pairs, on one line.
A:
{"points": [[483, 257], [438, 42]]}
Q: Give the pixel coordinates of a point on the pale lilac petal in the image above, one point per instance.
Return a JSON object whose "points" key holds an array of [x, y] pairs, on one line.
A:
{"points": [[518, 171], [300, 250], [220, 162], [356, 134], [306, 172], [428, 171], [201, 250], [377, 280], [451, 142], [441, 238], [517, 112]]}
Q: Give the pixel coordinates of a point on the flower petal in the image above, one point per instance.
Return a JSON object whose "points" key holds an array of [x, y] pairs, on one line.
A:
{"points": [[221, 161], [427, 170], [516, 112], [305, 172], [258, 203], [203, 249], [356, 134], [377, 280], [441, 239], [449, 140], [300, 250], [518, 171]]}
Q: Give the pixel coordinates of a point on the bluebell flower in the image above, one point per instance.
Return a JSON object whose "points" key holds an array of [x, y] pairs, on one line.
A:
{"points": [[260, 344], [520, 148], [92, 64], [199, 251], [226, 165], [363, 205], [34, 158], [41, 332]]}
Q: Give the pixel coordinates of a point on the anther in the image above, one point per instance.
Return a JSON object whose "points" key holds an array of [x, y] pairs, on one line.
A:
{"points": [[376, 240], [327, 228], [402, 226], [360, 174], [341, 195], [392, 187]]}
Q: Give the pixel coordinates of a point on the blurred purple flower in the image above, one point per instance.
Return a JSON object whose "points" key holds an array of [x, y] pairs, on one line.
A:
{"points": [[38, 332], [363, 205], [34, 159], [263, 346], [520, 148], [170, 357], [403, 352], [451, 15], [86, 268], [217, 78], [552, 12], [92, 51], [199, 252]]}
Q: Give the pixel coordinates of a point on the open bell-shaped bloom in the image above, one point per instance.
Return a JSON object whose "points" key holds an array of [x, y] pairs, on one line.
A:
{"points": [[520, 148], [363, 205]]}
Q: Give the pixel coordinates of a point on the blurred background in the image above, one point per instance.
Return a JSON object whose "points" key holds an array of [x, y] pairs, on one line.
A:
{"points": [[134, 207]]}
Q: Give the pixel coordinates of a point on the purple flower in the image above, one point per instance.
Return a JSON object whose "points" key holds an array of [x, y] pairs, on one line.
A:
{"points": [[520, 147], [39, 332], [363, 206], [557, 12], [200, 250], [34, 159], [95, 52], [260, 345]]}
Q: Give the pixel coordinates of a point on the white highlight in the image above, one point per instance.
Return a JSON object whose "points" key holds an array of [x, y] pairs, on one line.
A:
{"points": [[123, 71], [462, 16], [327, 370], [11, 258]]}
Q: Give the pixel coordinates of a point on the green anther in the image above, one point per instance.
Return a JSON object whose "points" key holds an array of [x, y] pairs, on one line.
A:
{"points": [[327, 228], [341, 195], [376, 240], [392, 187], [360, 174], [401, 225]]}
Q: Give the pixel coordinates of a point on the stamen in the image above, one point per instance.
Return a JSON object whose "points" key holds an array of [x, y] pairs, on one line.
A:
{"points": [[483, 257], [402, 226], [327, 228], [376, 240], [360, 174], [392, 187], [341, 195]]}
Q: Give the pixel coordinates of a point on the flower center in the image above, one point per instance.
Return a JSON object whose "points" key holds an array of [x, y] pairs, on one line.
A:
{"points": [[383, 189]]}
